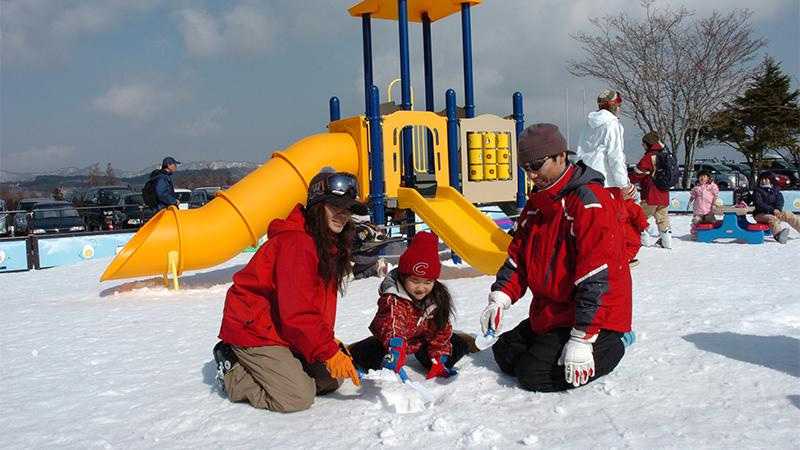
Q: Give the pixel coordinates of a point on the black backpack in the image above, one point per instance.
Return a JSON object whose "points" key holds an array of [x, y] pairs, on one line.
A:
{"points": [[666, 175], [149, 190]]}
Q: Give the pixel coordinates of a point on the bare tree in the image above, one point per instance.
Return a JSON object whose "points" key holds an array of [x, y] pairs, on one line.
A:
{"points": [[673, 69], [111, 176], [95, 176]]}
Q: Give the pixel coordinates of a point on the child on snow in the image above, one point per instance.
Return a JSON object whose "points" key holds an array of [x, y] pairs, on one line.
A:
{"points": [[703, 197], [413, 316], [768, 202], [636, 224]]}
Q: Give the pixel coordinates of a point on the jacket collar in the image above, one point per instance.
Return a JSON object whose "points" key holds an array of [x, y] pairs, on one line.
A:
{"points": [[392, 285]]}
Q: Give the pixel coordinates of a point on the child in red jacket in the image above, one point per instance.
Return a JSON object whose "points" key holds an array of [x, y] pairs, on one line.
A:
{"points": [[413, 316], [635, 225]]}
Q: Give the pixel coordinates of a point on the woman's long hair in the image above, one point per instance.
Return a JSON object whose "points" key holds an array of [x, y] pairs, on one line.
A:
{"points": [[333, 250], [440, 296]]}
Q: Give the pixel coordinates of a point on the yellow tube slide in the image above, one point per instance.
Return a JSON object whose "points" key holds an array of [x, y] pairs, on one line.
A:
{"points": [[463, 227], [237, 217]]}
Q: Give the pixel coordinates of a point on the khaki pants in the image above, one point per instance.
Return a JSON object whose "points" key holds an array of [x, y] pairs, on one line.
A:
{"points": [[275, 379], [660, 213], [774, 221]]}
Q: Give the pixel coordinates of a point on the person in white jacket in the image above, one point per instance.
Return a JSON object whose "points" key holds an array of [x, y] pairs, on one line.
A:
{"points": [[601, 145]]}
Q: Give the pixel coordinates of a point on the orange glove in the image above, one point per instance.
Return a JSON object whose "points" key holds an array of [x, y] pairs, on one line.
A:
{"points": [[340, 366]]}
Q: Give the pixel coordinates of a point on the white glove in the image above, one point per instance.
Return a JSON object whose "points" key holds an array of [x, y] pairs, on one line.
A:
{"points": [[577, 358], [492, 315]]}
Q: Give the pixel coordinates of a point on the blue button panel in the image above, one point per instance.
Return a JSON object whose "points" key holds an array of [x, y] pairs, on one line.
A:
{"points": [[13, 255], [59, 251]]}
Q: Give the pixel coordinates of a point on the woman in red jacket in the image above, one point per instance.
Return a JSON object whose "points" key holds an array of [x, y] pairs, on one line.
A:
{"points": [[413, 316], [278, 350]]}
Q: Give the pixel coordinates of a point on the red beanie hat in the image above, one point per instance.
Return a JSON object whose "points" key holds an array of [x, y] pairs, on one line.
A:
{"points": [[421, 258]]}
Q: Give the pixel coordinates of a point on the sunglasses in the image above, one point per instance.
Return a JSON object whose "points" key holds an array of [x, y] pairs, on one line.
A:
{"points": [[536, 164]]}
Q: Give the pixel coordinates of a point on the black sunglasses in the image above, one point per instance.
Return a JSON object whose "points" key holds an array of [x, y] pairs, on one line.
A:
{"points": [[536, 164]]}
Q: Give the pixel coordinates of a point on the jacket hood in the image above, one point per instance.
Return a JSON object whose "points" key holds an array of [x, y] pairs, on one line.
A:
{"points": [[582, 175], [391, 285], [295, 221], [597, 119]]}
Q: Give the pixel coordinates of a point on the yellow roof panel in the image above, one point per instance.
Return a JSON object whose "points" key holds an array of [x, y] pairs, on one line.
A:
{"points": [[387, 9]]}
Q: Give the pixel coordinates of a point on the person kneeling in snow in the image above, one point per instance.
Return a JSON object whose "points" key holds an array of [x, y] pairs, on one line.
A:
{"points": [[413, 316], [569, 250], [278, 349]]}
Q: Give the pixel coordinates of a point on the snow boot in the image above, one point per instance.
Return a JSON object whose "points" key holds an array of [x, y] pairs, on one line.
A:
{"points": [[645, 239], [225, 358], [628, 338], [665, 241], [782, 236]]}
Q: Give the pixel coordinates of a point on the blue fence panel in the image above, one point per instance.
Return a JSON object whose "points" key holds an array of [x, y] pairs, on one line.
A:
{"points": [[13, 255], [59, 251]]}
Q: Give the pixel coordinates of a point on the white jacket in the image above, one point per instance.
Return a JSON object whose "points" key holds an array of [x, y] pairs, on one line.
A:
{"points": [[601, 147]]}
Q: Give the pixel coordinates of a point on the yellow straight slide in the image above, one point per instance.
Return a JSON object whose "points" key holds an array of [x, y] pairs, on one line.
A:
{"points": [[238, 216], [471, 234]]}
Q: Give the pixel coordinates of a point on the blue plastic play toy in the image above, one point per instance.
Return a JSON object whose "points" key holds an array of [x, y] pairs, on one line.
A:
{"points": [[730, 229]]}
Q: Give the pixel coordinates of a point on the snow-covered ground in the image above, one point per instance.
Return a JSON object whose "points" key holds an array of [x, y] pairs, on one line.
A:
{"points": [[128, 365]]}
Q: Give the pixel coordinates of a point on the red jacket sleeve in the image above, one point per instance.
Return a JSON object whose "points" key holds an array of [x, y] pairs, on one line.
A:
{"points": [[512, 278], [591, 228], [392, 320], [300, 316], [643, 169], [439, 342], [636, 216]]}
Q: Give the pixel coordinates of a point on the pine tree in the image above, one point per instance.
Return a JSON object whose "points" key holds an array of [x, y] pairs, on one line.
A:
{"points": [[765, 116]]}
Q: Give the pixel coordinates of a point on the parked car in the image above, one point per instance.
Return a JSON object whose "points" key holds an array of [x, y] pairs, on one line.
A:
{"points": [[54, 217], [104, 208], [88, 197], [136, 212], [184, 196], [781, 167], [202, 195], [22, 218], [726, 178]]}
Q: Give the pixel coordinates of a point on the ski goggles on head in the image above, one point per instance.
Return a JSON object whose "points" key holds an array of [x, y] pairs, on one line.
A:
{"points": [[342, 184]]}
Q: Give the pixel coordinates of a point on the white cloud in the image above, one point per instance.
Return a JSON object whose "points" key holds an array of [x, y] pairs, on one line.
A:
{"points": [[40, 32], [247, 29], [39, 158], [135, 101], [206, 123]]}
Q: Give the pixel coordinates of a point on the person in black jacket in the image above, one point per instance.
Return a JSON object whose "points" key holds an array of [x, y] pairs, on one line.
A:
{"points": [[164, 187], [768, 202]]}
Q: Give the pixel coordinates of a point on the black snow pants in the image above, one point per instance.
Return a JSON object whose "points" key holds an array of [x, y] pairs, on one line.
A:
{"points": [[368, 353], [533, 358]]}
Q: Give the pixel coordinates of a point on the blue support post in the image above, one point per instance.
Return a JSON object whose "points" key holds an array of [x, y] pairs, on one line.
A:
{"points": [[466, 42], [366, 31], [519, 119], [452, 140], [333, 107], [377, 185], [427, 53], [405, 83]]}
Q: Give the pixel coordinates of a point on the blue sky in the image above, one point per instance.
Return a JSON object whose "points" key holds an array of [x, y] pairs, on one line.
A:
{"points": [[128, 82]]}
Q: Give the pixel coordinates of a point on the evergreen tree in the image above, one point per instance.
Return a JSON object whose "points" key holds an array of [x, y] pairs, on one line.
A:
{"points": [[765, 116]]}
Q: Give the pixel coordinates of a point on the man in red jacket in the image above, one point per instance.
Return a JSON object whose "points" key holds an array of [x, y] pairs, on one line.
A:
{"points": [[655, 202], [569, 250]]}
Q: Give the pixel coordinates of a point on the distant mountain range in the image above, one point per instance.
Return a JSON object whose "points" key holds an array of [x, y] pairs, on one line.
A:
{"points": [[7, 176]]}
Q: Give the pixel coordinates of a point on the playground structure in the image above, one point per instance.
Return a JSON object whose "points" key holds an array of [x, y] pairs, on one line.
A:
{"points": [[468, 160]]}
